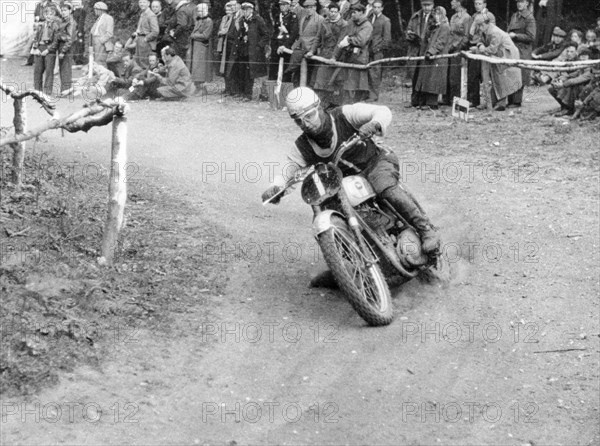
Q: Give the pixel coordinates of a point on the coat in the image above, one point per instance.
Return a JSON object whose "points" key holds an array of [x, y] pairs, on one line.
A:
{"points": [[326, 43], [253, 39], [147, 28], [419, 28], [523, 25], [381, 35], [546, 19], [359, 36], [102, 33], [201, 51], [432, 75], [182, 23], [309, 27], [178, 82], [459, 32], [505, 80], [474, 34]]}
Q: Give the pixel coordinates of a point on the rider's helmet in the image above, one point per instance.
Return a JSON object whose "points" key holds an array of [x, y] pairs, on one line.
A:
{"points": [[300, 101]]}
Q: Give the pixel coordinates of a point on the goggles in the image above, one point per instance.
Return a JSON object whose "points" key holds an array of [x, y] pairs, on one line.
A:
{"points": [[309, 114]]}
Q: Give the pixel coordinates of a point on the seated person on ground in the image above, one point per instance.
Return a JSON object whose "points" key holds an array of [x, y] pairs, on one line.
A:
{"points": [[567, 87]]}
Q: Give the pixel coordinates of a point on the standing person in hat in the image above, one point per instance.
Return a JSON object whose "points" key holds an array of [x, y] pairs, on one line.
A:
{"points": [[522, 31], [67, 34], [201, 49], [324, 45], [252, 49], [227, 41], [476, 68], [181, 26], [102, 33], [505, 80], [78, 49], [146, 34], [286, 33], [431, 75], [380, 40], [44, 51], [415, 34], [309, 24], [354, 48]]}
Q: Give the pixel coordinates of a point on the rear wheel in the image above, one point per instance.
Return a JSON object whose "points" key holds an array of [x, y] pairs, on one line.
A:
{"points": [[364, 286]]}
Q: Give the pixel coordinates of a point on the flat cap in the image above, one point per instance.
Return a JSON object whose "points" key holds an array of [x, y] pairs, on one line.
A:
{"points": [[310, 3], [558, 31], [247, 4], [358, 7], [101, 5]]}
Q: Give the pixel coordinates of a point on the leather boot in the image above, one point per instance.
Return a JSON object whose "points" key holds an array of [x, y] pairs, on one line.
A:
{"points": [[405, 206]]}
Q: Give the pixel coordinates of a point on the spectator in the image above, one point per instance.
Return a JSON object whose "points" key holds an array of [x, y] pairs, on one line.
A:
{"points": [[38, 19], [431, 75], [201, 49], [380, 40], [252, 49], [415, 34], [505, 80], [78, 49], [546, 18], [93, 87], [227, 41], [554, 48], [114, 59], [567, 87], [324, 45], [592, 43], [309, 26], [175, 85], [459, 41], [476, 68], [587, 105], [67, 34], [347, 16], [576, 36], [137, 90], [354, 48], [522, 31], [146, 34], [167, 14], [369, 11], [130, 71], [286, 33], [102, 33], [568, 54], [181, 26], [44, 51], [296, 8]]}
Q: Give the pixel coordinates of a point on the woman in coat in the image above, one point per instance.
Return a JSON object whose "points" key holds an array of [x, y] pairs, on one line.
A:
{"points": [[505, 80], [521, 30], [201, 49], [432, 75]]}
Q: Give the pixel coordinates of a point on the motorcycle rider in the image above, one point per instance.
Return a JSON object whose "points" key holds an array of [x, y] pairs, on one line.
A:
{"points": [[324, 132]]}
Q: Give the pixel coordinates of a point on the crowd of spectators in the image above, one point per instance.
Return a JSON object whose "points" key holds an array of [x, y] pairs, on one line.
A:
{"points": [[176, 49]]}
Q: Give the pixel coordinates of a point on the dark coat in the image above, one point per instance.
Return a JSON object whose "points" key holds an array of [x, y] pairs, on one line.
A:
{"points": [[546, 19], [253, 39], [433, 74], [524, 28], [415, 24], [182, 24], [382, 34]]}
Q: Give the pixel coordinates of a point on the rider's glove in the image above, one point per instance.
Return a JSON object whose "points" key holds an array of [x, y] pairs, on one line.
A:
{"points": [[271, 192], [369, 129]]}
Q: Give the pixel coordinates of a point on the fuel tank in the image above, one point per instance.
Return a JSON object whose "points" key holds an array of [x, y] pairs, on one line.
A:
{"points": [[358, 189]]}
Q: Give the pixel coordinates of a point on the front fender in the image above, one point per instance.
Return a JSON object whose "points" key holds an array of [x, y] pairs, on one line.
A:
{"points": [[322, 221]]}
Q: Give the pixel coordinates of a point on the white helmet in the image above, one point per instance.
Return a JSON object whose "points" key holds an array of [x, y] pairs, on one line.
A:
{"points": [[301, 100]]}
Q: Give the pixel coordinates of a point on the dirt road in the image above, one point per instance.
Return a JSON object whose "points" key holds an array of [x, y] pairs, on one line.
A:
{"points": [[270, 361]]}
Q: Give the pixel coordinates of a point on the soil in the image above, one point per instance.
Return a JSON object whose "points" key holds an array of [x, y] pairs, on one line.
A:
{"points": [[231, 346]]}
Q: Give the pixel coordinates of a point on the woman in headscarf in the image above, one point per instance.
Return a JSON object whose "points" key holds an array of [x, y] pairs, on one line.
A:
{"points": [[201, 49], [432, 74]]}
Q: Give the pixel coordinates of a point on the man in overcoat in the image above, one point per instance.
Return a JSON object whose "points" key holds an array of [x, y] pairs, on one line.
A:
{"points": [[521, 30], [380, 39], [102, 33], [181, 26], [415, 33], [146, 34]]}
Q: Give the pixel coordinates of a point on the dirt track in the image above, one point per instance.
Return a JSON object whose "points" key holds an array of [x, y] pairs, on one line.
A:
{"points": [[273, 362]]}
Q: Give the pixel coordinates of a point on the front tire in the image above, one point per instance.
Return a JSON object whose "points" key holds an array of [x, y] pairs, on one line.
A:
{"points": [[365, 287]]}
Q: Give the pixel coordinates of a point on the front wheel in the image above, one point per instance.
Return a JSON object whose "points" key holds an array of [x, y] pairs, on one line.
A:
{"points": [[364, 285]]}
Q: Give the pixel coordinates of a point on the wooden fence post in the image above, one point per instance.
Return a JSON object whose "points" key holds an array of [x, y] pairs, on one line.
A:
{"points": [[117, 190], [464, 77], [19, 122], [303, 72]]}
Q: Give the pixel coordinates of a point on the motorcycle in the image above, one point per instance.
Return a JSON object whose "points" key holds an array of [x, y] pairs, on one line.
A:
{"points": [[364, 240]]}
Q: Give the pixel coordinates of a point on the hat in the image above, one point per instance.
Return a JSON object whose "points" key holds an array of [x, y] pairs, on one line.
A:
{"points": [[427, 2], [248, 4], [559, 32], [287, 2], [67, 5], [310, 3], [101, 5], [358, 7], [583, 51]]}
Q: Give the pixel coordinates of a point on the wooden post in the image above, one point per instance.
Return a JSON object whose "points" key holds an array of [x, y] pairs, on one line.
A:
{"points": [[117, 191], [486, 81], [19, 121], [464, 73], [303, 73], [91, 62]]}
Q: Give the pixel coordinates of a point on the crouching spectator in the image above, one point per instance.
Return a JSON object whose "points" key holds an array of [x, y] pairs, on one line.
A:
{"points": [[94, 87], [567, 87], [174, 85], [125, 78], [587, 106]]}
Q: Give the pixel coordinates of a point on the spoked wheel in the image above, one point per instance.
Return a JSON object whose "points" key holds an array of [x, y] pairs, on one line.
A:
{"points": [[364, 285]]}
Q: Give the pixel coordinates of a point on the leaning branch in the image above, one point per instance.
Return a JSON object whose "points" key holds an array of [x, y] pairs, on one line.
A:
{"points": [[38, 96]]}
